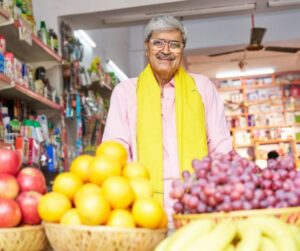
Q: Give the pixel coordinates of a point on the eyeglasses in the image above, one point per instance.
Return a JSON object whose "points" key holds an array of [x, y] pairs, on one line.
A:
{"points": [[159, 44]]}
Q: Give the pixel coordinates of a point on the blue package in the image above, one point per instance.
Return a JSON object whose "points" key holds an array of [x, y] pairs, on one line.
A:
{"points": [[2, 63], [51, 158]]}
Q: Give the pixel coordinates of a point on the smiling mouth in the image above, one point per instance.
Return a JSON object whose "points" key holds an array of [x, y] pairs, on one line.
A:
{"points": [[165, 57]]}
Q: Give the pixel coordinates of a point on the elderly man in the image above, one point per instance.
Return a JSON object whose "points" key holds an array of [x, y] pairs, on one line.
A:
{"points": [[166, 117]]}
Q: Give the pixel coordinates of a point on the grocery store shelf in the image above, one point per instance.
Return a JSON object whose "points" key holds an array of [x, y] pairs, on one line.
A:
{"points": [[264, 113], [292, 82], [244, 146], [236, 115], [271, 126], [273, 141], [46, 48], [261, 86], [36, 52], [33, 99], [230, 88], [4, 16], [103, 89], [263, 101], [265, 127], [4, 82], [295, 82]]}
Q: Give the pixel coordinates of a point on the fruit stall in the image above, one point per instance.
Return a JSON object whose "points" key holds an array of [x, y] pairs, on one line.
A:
{"points": [[105, 203]]}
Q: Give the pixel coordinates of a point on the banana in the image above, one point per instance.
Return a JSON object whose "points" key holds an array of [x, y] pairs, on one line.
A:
{"points": [[249, 235], [275, 229], [217, 240], [188, 233], [266, 244], [295, 232], [162, 245], [230, 248]]}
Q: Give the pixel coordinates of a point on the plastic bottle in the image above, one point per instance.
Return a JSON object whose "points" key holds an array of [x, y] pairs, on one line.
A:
{"points": [[38, 131]]}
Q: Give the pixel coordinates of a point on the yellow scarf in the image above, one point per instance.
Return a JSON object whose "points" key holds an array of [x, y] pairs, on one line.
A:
{"points": [[190, 124]]}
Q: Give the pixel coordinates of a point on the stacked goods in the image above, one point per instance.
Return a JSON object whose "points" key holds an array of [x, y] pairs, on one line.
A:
{"points": [[103, 190], [258, 233], [20, 191], [227, 182]]}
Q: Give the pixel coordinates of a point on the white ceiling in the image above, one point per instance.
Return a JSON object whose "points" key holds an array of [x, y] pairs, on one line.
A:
{"points": [[198, 60], [210, 66], [185, 9]]}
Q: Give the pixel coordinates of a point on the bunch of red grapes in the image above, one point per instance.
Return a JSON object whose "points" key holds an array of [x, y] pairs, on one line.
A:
{"points": [[227, 182]]}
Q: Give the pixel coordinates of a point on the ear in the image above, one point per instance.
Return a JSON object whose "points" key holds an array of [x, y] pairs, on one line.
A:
{"points": [[146, 48]]}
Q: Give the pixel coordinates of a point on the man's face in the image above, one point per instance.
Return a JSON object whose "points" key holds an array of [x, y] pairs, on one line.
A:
{"points": [[165, 52]]}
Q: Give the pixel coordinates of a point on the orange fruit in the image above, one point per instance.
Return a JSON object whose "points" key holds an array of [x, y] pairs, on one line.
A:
{"points": [[118, 192], [52, 206], [114, 149], [71, 217], [147, 212], [120, 218], [102, 167], [67, 183], [134, 170], [93, 209], [80, 165], [141, 187], [86, 189], [164, 221]]}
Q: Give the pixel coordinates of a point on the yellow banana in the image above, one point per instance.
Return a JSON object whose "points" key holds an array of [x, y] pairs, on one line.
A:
{"points": [[162, 245], [217, 240], [230, 248], [249, 235], [275, 229], [187, 234], [295, 232], [266, 244]]}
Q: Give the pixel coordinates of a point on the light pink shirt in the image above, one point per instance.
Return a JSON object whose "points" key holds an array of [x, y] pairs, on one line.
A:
{"points": [[121, 124]]}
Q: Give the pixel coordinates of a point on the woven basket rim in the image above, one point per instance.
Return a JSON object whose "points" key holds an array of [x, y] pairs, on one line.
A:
{"points": [[21, 228], [103, 228], [238, 213]]}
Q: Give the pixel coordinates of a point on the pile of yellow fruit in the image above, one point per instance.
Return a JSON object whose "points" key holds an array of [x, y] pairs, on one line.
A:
{"points": [[103, 190]]}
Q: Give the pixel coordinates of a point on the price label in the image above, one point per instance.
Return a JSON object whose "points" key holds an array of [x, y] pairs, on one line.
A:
{"points": [[25, 32]]}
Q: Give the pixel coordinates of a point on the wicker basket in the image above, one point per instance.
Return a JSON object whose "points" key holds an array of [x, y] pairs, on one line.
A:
{"points": [[25, 238], [290, 215], [102, 238]]}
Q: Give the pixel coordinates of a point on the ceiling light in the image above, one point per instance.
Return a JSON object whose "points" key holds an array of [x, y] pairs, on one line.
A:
{"points": [[111, 66], [278, 3], [184, 12], [233, 74], [83, 37]]}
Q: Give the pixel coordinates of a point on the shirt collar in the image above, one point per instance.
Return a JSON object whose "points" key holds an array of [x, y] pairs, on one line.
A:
{"points": [[171, 83]]}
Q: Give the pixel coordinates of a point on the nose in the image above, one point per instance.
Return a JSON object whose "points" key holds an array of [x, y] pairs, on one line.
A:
{"points": [[166, 47]]}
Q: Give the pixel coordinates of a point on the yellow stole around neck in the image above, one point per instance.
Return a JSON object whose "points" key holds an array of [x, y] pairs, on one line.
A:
{"points": [[190, 124]]}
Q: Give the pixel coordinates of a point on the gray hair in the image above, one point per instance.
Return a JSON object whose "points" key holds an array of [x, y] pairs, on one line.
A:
{"points": [[163, 23]]}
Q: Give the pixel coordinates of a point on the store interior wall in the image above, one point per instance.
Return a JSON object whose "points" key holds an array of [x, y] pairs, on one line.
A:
{"points": [[124, 45]]}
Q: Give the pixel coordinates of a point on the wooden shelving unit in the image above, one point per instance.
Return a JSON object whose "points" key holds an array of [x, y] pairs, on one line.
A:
{"points": [[35, 52], [244, 111]]}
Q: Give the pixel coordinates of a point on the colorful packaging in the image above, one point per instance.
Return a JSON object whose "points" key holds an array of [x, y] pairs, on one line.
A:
{"points": [[9, 64], [2, 44], [2, 63], [22, 144]]}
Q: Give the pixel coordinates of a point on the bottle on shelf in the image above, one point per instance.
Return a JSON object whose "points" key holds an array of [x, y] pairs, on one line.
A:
{"points": [[53, 41], [43, 33]]}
